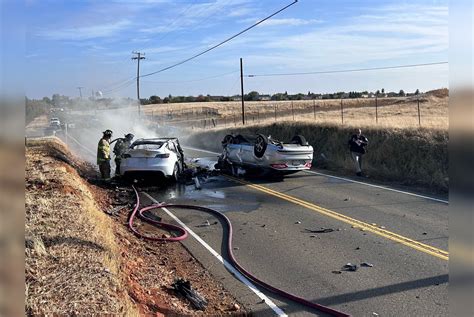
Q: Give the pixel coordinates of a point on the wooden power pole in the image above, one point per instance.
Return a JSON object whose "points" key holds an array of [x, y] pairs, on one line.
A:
{"points": [[242, 90], [138, 58]]}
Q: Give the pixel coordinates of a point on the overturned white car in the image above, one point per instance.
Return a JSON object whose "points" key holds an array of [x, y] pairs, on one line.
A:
{"points": [[265, 153], [161, 156]]}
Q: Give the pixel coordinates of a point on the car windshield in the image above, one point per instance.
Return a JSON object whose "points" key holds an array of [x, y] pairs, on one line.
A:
{"points": [[148, 146]]}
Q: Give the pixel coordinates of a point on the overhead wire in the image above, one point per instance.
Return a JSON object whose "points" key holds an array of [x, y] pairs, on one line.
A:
{"points": [[346, 70], [219, 44], [124, 85], [190, 80]]}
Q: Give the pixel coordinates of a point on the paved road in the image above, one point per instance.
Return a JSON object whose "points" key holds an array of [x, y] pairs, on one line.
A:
{"points": [[405, 237]]}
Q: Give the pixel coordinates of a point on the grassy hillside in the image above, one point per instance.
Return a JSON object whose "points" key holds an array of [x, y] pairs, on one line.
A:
{"points": [[406, 156]]}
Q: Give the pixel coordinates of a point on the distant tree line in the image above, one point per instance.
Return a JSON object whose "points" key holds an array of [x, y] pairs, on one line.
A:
{"points": [[256, 96]]}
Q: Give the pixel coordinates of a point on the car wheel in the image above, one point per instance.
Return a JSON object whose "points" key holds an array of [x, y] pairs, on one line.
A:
{"points": [[260, 145], [299, 139], [175, 175], [228, 139]]}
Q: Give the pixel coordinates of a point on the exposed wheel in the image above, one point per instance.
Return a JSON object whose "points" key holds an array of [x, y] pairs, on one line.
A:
{"points": [[175, 175], [260, 145], [228, 139], [299, 139]]}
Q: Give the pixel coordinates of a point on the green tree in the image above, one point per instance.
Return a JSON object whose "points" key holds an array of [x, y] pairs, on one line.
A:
{"points": [[252, 96], [401, 93]]}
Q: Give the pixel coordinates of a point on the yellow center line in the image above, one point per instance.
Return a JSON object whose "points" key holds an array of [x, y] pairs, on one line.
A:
{"points": [[439, 253]]}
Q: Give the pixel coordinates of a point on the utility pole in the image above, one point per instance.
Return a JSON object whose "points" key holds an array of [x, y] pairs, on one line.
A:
{"points": [[80, 91], [242, 90], [138, 58]]}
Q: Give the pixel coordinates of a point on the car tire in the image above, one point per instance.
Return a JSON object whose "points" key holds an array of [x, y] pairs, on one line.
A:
{"points": [[228, 139], [260, 146], [299, 139], [175, 175]]}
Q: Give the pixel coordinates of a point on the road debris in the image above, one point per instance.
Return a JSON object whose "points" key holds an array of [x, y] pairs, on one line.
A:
{"points": [[204, 224], [184, 288], [366, 264], [297, 222], [336, 272], [116, 210], [322, 230], [350, 267]]}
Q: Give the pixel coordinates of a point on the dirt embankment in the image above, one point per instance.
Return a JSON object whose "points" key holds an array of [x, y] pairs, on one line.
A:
{"points": [[415, 157], [83, 261]]}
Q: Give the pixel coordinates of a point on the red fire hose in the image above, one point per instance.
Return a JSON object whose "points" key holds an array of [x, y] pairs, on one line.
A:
{"points": [[232, 260]]}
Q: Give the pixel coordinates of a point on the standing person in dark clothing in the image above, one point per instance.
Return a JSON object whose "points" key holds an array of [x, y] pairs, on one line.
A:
{"points": [[357, 144], [122, 145]]}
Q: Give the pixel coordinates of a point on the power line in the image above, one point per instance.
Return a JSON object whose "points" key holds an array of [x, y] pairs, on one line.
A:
{"points": [[124, 85], [346, 70], [221, 43], [190, 80], [117, 84]]}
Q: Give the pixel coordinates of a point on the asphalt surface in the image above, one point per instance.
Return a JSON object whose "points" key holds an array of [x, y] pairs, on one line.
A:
{"points": [[405, 238]]}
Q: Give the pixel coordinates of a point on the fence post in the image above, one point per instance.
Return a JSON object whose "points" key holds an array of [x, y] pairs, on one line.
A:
{"points": [[342, 112], [419, 116], [376, 111], [314, 109], [292, 111], [275, 112], [258, 116]]}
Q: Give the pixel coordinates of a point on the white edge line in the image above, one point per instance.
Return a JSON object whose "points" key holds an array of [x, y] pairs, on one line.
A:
{"points": [[82, 146], [381, 187], [227, 265], [350, 180]]}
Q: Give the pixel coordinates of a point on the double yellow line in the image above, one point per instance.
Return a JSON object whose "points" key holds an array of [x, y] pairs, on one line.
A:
{"points": [[354, 222]]}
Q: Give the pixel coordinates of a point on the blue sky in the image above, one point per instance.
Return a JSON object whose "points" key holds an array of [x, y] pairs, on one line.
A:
{"points": [[88, 43]]}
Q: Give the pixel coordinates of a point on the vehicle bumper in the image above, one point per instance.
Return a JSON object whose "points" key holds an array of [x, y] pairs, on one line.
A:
{"points": [[165, 168]]}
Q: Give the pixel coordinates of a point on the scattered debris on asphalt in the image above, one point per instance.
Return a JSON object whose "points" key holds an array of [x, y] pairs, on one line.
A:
{"points": [[347, 199], [336, 272], [204, 224], [297, 222], [322, 230], [184, 288], [424, 233], [350, 267], [366, 264]]}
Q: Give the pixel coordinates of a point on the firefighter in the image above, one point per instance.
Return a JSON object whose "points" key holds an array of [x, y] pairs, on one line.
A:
{"points": [[122, 145], [103, 154]]}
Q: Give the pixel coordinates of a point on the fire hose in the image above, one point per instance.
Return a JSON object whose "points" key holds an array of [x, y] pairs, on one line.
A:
{"points": [[140, 212]]}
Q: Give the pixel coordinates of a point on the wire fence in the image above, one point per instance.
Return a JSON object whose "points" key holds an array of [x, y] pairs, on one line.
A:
{"points": [[401, 112]]}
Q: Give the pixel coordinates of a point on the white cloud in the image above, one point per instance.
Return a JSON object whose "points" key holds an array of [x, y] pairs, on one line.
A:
{"points": [[387, 35], [85, 32], [289, 22]]}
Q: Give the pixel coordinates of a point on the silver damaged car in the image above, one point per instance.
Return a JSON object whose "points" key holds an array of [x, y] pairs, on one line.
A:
{"points": [[265, 153]]}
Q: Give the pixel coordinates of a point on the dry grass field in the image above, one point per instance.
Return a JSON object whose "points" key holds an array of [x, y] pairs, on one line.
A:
{"points": [[394, 112]]}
